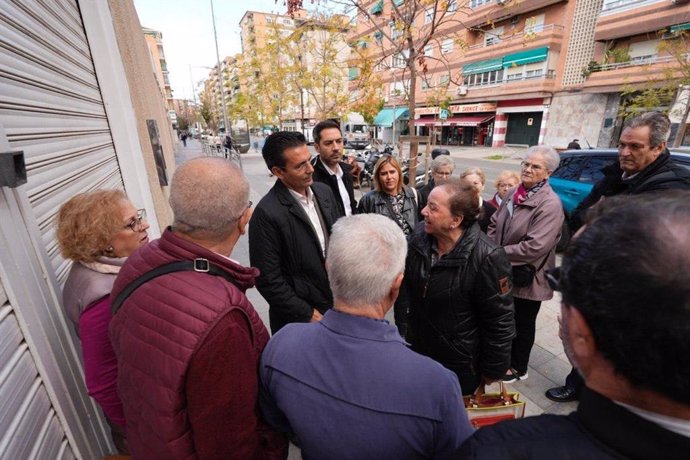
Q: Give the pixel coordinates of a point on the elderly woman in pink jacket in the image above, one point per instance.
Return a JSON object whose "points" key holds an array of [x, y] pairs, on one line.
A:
{"points": [[98, 230], [528, 226]]}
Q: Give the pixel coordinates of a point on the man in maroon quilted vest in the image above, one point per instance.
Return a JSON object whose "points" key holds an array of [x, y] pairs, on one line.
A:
{"points": [[188, 342]]}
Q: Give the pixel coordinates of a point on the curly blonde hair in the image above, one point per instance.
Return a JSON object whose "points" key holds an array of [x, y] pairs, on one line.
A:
{"points": [[87, 223]]}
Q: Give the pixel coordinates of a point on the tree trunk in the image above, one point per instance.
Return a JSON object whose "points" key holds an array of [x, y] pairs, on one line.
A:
{"points": [[411, 104]]}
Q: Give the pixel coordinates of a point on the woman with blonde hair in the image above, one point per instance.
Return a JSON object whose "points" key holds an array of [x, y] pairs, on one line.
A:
{"points": [[506, 180], [98, 230], [390, 197], [476, 177]]}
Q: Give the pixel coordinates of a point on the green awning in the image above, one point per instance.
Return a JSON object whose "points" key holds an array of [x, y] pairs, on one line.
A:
{"points": [[398, 2], [378, 35], [377, 8], [386, 116], [526, 57], [679, 27], [353, 73], [482, 66]]}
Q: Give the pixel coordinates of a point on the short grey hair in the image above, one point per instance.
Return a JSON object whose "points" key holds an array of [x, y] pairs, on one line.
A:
{"points": [[659, 126], [208, 196], [549, 153], [380, 243], [442, 161]]}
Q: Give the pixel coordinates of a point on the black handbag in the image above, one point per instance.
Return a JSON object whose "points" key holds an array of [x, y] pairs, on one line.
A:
{"points": [[523, 275]]}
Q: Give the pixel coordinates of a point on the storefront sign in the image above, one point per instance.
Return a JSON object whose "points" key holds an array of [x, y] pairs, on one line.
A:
{"points": [[470, 108], [419, 111]]}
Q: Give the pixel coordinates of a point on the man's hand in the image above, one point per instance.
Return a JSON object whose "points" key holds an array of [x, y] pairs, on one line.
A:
{"points": [[316, 316]]}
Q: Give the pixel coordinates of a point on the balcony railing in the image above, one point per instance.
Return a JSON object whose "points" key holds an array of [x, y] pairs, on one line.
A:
{"points": [[645, 60], [617, 6], [533, 30], [549, 75]]}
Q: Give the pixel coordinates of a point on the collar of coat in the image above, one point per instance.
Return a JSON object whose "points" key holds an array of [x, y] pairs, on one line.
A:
{"points": [[533, 201], [420, 241], [318, 164]]}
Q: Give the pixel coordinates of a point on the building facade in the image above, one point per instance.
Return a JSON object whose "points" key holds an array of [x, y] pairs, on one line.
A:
{"points": [[154, 41], [524, 73]]}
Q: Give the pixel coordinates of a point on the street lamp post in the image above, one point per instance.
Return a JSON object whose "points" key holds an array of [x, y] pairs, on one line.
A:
{"points": [[220, 74]]}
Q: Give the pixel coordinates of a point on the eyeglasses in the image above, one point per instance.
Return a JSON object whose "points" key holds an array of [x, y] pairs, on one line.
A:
{"points": [[532, 166], [135, 224]]}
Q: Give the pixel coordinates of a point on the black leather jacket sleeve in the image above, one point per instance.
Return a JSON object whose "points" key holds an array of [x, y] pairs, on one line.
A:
{"points": [[496, 313]]}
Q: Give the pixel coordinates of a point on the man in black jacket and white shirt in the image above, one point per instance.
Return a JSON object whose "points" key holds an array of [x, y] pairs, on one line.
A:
{"points": [[329, 167], [288, 234], [625, 324]]}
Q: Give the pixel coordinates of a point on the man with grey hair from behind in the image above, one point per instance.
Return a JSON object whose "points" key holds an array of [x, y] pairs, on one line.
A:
{"points": [[348, 386], [188, 341]]}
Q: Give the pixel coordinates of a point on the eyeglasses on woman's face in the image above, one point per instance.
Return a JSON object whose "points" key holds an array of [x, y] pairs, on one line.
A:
{"points": [[136, 224], [532, 166]]}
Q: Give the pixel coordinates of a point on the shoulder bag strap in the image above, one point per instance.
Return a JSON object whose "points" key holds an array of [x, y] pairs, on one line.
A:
{"points": [[197, 265]]}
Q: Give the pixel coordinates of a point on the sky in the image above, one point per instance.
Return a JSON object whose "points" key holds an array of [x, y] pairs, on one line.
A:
{"points": [[187, 30]]}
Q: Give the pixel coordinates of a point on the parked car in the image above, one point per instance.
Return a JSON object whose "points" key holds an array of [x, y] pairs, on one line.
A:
{"points": [[579, 170]]}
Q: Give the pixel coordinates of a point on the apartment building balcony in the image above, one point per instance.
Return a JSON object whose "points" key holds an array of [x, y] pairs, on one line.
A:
{"points": [[623, 18], [526, 85], [549, 35], [492, 11], [637, 72]]}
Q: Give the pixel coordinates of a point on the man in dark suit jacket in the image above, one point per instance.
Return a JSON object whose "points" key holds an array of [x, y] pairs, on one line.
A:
{"points": [[288, 234], [329, 167]]}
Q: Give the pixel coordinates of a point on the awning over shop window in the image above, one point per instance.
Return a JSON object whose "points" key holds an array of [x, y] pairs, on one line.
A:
{"points": [[377, 8], [526, 57], [482, 66], [679, 27], [378, 35], [353, 73], [398, 2], [472, 121], [386, 116]]}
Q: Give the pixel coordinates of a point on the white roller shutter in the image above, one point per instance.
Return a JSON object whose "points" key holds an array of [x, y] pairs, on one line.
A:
{"points": [[51, 108]]}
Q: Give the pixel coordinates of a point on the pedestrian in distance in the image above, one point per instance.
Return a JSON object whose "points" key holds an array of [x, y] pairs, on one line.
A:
{"points": [[289, 234], [184, 139], [574, 144], [348, 387], [644, 166], [329, 167], [97, 231], [528, 226], [624, 324], [390, 197], [188, 342], [457, 289]]}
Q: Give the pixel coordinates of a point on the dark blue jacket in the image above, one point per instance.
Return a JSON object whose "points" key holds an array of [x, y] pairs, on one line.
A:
{"points": [[349, 388]]}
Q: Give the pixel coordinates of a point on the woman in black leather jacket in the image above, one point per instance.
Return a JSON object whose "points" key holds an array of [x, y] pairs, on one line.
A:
{"points": [[456, 289], [390, 197]]}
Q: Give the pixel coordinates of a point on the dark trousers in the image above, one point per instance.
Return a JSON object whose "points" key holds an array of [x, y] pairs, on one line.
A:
{"points": [[525, 324], [574, 380]]}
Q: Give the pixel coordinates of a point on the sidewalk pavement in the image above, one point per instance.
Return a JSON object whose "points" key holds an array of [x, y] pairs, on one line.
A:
{"points": [[184, 153]]}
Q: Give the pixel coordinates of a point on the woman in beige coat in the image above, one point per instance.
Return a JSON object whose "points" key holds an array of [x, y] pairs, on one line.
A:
{"points": [[528, 226]]}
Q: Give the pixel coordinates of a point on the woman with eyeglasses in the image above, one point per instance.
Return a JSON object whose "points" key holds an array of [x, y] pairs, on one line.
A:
{"points": [[505, 181], [390, 197], [98, 230], [528, 226]]}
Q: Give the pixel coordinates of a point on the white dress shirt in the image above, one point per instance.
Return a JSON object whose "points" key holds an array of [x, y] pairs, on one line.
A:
{"points": [[307, 203], [344, 196]]}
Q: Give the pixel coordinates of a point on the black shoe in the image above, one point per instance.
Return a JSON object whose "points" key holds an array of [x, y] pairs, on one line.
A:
{"points": [[563, 394]]}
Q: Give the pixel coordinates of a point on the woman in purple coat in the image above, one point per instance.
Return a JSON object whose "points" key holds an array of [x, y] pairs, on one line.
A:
{"points": [[528, 226]]}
